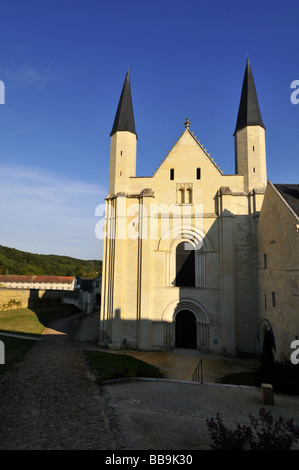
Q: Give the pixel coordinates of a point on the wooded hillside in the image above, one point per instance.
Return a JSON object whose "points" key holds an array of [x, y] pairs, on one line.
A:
{"points": [[14, 261]]}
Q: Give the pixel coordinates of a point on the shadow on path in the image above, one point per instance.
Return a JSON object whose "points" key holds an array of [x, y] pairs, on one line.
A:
{"points": [[50, 400]]}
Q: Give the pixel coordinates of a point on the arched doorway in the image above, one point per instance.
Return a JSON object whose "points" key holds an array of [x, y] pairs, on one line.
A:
{"points": [[267, 350], [268, 343], [185, 330]]}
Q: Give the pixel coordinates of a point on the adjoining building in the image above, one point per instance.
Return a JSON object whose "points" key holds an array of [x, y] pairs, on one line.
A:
{"points": [[87, 296], [278, 240], [38, 282], [180, 258]]}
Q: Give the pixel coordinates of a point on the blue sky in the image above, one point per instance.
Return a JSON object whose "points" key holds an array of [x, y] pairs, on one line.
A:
{"points": [[63, 64]]}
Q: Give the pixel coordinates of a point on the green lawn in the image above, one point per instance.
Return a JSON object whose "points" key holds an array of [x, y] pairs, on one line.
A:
{"points": [[114, 366], [31, 323], [22, 320], [26, 322]]}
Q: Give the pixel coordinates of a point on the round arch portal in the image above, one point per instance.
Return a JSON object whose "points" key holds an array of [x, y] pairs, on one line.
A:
{"points": [[185, 330], [267, 342], [187, 312]]}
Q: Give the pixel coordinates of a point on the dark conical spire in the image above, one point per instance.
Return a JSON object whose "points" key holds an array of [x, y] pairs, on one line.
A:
{"points": [[124, 118], [249, 110]]}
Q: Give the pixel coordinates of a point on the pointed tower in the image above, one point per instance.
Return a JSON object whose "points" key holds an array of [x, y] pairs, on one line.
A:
{"points": [[250, 147], [123, 143]]}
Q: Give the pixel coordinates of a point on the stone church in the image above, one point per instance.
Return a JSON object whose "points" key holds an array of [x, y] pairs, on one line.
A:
{"points": [[180, 258]]}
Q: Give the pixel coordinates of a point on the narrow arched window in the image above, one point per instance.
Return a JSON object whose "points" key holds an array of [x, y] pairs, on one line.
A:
{"points": [[182, 196], [185, 265]]}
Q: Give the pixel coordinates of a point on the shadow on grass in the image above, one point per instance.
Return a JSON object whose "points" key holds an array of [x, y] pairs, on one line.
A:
{"points": [[15, 349], [46, 315], [241, 378], [21, 328], [114, 366], [283, 376]]}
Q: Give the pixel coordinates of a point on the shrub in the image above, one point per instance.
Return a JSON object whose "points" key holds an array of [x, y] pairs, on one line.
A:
{"points": [[263, 433], [11, 303]]}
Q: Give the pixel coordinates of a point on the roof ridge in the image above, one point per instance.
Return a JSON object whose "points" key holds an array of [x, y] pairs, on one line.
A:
{"points": [[205, 151], [197, 141]]}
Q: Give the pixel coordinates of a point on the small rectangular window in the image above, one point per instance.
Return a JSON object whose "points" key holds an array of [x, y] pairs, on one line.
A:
{"points": [[253, 169], [265, 260], [172, 174], [273, 299], [198, 173], [265, 298], [253, 148]]}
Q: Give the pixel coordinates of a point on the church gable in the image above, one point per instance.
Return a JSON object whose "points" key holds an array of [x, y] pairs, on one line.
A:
{"points": [[187, 161]]}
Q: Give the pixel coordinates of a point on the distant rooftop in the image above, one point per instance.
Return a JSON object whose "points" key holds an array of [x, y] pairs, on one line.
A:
{"points": [[30, 278]]}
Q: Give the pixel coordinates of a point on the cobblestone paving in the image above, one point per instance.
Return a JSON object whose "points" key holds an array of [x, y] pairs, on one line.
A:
{"points": [[51, 401]]}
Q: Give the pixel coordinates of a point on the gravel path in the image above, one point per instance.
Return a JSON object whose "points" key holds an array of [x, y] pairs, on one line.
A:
{"points": [[164, 415], [51, 401]]}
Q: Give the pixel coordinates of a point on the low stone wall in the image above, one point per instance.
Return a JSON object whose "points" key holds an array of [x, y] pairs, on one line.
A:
{"points": [[11, 299]]}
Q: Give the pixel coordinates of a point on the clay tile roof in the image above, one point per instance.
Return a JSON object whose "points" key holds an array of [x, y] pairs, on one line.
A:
{"points": [[64, 279], [15, 278], [29, 278]]}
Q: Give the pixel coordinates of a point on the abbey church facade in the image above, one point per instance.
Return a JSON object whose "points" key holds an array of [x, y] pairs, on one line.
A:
{"points": [[180, 258]]}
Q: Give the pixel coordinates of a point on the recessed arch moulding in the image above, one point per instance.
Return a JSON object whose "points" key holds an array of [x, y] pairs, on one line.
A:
{"points": [[202, 320]]}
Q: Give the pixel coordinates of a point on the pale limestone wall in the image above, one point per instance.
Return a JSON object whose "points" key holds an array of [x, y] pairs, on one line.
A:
{"points": [[11, 299], [279, 241], [250, 151], [139, 300], [185, 157], [20, 297], [122, 161]]}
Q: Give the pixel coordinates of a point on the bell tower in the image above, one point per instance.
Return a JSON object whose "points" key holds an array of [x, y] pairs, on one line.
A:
{"points": [[250, 146], [123, 143]]}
